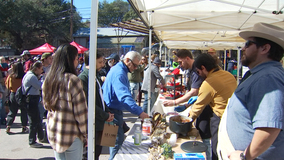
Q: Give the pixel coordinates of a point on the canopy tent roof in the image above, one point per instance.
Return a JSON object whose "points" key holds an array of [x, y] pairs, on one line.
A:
{"points": [[202, 45], [133, 24], [206, 21], [41, 49], [136, 25], [79, 47]]}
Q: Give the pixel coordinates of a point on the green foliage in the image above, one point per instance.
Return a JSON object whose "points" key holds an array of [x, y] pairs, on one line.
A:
{"points": [[130, 15], [30, 23], [114, 12], [168, 152], [26, 24]]}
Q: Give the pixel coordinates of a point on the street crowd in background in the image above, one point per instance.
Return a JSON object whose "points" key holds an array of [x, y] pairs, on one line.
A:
{"points": [[249, 126]]}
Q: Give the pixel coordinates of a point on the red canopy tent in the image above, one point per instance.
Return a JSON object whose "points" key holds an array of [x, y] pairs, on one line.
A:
{"points": [[80, 48], [44, 48]]}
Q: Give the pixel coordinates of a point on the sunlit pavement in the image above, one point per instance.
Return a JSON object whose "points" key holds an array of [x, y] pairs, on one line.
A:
{"points": [[15, 146]]}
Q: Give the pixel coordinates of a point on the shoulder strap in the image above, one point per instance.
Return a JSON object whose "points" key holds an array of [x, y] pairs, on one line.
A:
{"points": [[8, 79], [28, 90]]}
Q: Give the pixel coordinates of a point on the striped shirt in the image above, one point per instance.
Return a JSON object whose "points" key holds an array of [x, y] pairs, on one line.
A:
{"points": [[70, 120]]}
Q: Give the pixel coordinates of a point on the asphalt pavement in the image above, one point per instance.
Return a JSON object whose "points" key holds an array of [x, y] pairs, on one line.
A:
{"points": [[15, 146]]}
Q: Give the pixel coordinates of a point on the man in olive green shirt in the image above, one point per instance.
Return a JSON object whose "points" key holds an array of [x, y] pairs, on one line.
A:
{"points": [[135, 80]]}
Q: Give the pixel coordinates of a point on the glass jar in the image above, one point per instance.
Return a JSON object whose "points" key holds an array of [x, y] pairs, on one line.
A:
{"points": [[147, 127]]}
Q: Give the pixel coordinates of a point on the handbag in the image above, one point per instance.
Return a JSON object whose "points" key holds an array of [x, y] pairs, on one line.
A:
{"points": [[20, 97], [109, 135]]}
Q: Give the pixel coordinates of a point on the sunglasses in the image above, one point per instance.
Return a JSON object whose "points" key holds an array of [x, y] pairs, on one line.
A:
{"points": [[196, 71], [135, 65], [249, 43]]}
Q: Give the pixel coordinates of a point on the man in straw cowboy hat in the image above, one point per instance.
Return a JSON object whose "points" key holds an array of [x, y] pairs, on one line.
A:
{"points": [[253, 129]]}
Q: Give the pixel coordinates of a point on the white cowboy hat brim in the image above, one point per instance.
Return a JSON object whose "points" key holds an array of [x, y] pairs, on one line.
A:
{"points": [[265, 31]]}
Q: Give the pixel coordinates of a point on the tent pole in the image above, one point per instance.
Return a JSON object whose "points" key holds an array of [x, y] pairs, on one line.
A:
{"points": [[225, 59], [238, 65], [165, 52], [160, 50], [150, 63], [92, 76]]}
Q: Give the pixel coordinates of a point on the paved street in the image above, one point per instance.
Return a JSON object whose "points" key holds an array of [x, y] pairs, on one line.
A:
{"points": [[16, 147]]}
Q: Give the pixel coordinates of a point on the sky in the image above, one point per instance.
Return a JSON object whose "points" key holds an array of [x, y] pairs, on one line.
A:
{"points": [[84, 7]]}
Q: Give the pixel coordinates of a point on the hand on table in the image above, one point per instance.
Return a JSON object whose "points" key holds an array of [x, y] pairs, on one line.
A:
{"points": [[143, 115], [180, 108]]}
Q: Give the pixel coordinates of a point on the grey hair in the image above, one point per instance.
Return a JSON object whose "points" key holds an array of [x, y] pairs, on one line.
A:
{"points": [[133, 55], [2, 58]]}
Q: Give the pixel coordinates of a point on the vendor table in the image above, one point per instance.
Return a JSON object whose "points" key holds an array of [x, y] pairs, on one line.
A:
{"points": [[129, 151]]}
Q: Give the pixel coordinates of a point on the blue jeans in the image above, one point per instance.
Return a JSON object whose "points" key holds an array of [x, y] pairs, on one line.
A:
{"points": [[154, 96], [134, 89], [14, 107], [2, 113], [208, 151], [34, 119], [41, 109], [75, 151], [118, 120]]}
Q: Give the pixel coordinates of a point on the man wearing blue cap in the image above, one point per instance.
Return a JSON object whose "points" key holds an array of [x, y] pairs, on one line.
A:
{"points": [[113, 59]]}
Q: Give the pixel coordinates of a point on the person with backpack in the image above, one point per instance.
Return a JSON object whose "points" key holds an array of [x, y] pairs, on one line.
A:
{"points": [[32, 83], [13, 82]]}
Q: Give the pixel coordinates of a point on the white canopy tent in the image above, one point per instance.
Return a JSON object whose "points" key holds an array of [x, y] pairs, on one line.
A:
{"points": [[207, 21], [202, 45], [210, 23]]}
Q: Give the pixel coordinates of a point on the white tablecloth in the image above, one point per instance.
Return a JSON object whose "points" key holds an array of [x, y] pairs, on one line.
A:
{"points": [[129, 151]]}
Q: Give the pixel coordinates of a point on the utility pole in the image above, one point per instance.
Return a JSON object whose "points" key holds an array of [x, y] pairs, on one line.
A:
{"points": [[71, 21]]}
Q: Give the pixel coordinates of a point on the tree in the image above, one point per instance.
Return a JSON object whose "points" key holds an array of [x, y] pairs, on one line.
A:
{"points": [[30, 23], [131, 14], [116, 11]]}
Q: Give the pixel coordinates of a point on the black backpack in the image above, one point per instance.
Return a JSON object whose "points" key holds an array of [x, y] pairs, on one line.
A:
{"points": [[21, 98]]}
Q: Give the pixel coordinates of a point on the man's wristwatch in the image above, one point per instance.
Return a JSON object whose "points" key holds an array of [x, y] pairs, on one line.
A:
{"points": [[243, 156]]}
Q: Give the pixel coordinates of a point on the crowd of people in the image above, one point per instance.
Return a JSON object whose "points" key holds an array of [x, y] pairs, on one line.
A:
{"points": [[236, 121]]}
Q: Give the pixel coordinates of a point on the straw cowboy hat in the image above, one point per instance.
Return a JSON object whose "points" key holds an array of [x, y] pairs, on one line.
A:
{"points": [[266, 31], [211, 50]]}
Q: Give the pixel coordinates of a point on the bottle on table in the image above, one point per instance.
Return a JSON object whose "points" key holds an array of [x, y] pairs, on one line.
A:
{"points": [[147, 127], [137, 136]]}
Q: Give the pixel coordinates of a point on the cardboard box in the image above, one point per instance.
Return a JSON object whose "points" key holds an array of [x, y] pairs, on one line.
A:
{"points": [[188, 156]]}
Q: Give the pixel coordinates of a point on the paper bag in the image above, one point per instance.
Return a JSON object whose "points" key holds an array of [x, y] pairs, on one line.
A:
{"points": [[109, 134]]}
